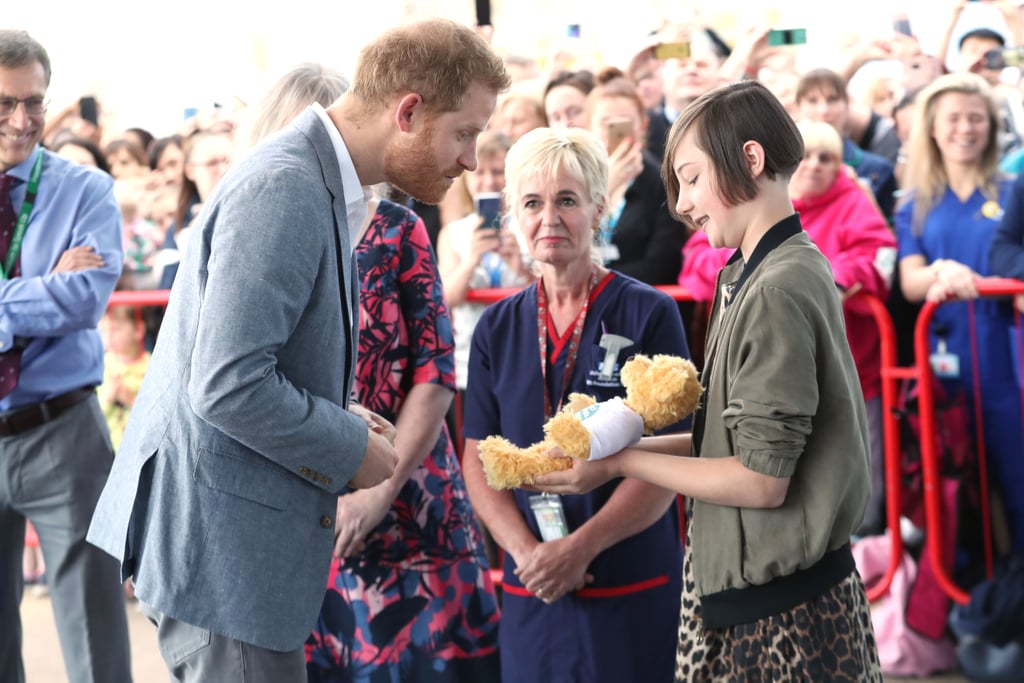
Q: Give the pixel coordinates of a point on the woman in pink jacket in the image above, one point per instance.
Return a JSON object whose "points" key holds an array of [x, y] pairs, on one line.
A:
{"points": [[842, 219]]}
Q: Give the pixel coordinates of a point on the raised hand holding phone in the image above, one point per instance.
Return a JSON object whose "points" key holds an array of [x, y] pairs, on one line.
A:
{"points": [[488, 206], [88, 109], [679, 50], [625, 156], [618, 130]]}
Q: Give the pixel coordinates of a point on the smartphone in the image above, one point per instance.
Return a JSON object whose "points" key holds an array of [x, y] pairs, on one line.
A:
{"points": [[488, 207], [1000, 58], [901, 24], [787, 36], [572, 31], [618, 130], [88, 110], [483, 12], [672, 51]]}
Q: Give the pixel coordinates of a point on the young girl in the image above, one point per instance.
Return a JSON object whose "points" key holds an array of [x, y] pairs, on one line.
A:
{"points": [[124, 365], [778, 473]]}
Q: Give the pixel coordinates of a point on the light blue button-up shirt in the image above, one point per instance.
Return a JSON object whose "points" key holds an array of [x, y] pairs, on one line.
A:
{"points": [[54, 316]]}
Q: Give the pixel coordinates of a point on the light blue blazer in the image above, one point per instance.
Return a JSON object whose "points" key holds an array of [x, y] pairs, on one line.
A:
{"points": [[221, 500]]}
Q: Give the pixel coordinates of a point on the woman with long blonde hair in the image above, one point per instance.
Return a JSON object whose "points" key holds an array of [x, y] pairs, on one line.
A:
{"points": [[954, 202]]}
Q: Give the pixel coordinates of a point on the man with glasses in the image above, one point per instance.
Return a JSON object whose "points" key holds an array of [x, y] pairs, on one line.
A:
{"points": [[60, 257]]}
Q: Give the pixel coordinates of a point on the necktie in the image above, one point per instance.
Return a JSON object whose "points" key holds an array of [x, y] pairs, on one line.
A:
{"points": [[10, 362]]}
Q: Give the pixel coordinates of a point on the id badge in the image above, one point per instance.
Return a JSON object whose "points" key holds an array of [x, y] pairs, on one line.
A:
{"points": [[547, 510], [945, 365]]}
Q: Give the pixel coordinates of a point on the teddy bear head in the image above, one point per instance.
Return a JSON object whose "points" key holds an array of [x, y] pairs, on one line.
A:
{"points": [[661, 389]]}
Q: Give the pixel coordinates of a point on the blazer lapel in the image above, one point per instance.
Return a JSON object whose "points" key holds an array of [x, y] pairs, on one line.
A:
{"points": [[348, 279]]}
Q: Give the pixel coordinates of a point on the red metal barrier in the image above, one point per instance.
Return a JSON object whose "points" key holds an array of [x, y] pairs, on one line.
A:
{"points": [[930, 452], [892, 375], [140, 297], [158, 297]]}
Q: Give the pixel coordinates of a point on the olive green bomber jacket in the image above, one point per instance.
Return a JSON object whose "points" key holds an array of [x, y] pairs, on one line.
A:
{"points": [[783, 395]]}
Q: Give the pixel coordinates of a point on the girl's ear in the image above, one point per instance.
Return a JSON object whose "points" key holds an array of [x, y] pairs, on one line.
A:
{"points": [[753, 155]]}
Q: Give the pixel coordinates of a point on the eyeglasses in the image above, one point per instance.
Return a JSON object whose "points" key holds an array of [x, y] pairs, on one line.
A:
{"points": [[34, 106]]}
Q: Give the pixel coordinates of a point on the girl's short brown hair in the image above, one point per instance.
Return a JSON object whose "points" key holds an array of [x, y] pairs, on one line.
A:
{"points": [[722, 121]]}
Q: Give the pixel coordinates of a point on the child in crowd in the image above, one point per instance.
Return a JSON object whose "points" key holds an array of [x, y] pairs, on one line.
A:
{"points": [[125, 363]]}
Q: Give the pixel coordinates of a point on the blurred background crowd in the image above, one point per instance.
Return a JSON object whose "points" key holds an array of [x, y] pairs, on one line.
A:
{"points": [[887, 140]]}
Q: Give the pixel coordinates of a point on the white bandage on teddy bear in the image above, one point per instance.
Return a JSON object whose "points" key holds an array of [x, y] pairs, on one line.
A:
{"points": [[612, 426]]}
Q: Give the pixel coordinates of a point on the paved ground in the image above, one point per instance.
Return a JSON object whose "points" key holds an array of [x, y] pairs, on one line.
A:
{"points": [[43, 662]]}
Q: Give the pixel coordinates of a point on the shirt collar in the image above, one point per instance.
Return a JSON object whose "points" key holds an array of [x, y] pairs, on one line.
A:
{"points": [[23, 170], [355, 195], [776, 235]]}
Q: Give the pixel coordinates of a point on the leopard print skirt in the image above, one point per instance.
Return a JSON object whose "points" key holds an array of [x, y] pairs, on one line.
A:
{"points": [[824, 640]]}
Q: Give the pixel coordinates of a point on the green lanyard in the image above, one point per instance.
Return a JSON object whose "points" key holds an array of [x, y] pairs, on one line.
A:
{"points": [[23, 216]]}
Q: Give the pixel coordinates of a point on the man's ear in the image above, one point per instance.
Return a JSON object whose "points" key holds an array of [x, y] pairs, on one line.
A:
{"points": [[409, 107], [753, 155]]}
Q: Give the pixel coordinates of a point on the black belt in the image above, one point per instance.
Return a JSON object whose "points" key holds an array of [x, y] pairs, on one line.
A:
{"points": [[27, 417]]}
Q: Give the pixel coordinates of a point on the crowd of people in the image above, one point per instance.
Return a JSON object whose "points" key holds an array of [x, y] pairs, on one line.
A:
{"points": [[297, 488]]}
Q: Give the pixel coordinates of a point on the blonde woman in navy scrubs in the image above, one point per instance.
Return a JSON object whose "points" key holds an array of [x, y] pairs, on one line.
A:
{"points": [[596, 597]]}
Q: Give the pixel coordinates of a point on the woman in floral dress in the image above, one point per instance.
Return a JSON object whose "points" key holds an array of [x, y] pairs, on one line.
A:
{"points": [[410, 597]]}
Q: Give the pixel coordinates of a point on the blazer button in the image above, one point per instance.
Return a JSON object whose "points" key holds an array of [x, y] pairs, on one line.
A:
{"points": [[326, 522]]}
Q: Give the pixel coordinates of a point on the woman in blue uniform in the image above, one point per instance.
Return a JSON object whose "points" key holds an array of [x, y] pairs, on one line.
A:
{"points": [[945, 230], [591, 582]]}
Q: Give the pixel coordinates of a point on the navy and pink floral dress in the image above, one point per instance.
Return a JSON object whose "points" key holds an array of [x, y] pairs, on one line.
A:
{"points": [[418, 604]]}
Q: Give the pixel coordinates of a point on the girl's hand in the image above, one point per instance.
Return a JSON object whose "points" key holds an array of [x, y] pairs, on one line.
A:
{"points": [[584, 475]]}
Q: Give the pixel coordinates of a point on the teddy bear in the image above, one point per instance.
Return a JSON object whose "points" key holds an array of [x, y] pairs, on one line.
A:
{"points": [[660, 391]]}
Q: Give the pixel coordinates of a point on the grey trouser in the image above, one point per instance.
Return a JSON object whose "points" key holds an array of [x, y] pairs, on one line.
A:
{"points": [[195, 655], [52, 475]]}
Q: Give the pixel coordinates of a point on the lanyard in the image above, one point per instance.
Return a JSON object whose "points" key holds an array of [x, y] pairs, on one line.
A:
{"points": [[574, 343], [26, 210]]}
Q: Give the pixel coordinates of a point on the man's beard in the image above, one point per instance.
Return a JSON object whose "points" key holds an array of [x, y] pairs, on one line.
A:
{"points": [[409, 165]]}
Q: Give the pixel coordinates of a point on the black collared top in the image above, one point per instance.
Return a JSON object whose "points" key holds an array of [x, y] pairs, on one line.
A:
{"points": [[776, 235]]}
